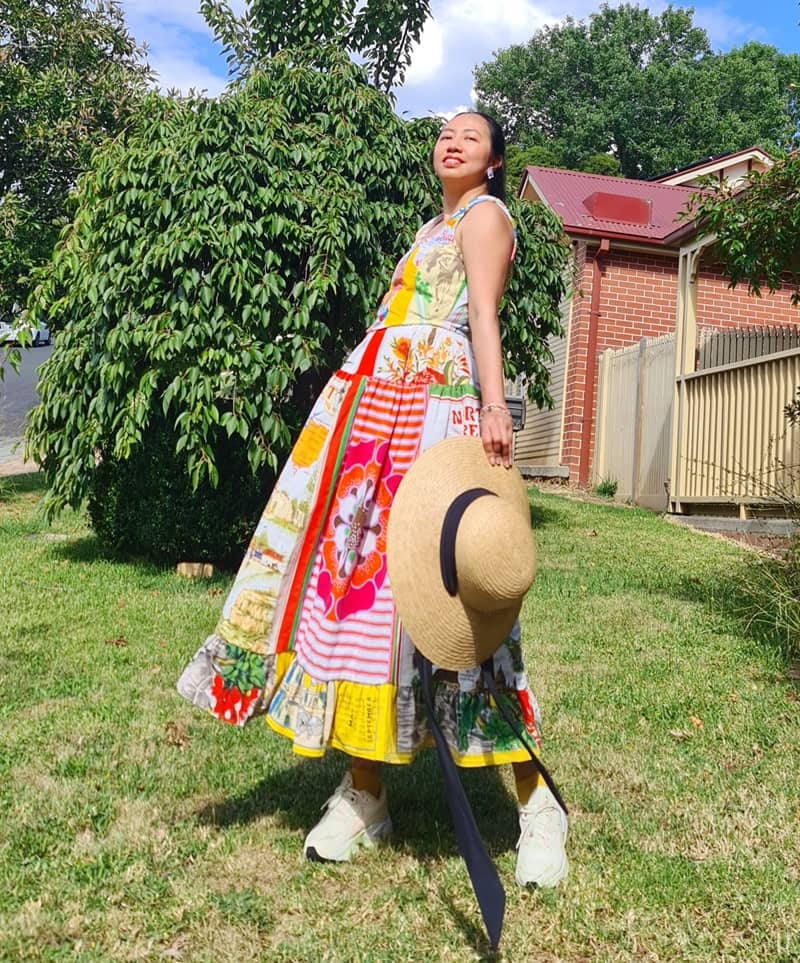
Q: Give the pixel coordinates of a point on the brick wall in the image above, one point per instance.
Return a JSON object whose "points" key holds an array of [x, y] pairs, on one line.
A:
{"points": [[719, 306]]}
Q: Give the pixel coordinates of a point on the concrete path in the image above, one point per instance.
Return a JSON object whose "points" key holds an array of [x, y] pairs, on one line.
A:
{"points": [[11, 460], [17, 397]]}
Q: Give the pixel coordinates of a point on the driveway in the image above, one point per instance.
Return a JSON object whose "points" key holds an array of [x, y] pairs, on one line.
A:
{"points": [[17, 397]]}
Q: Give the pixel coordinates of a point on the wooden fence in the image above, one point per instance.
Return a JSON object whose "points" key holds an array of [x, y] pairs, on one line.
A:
{"points": [[734, 445], [634, 419]]}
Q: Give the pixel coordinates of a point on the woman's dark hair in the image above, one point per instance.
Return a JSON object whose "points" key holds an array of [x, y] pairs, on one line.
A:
{"points": [[496, 186]]}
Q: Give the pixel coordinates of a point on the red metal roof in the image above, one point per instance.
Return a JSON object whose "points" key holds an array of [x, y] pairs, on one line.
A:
{"points": [[613, 207]]}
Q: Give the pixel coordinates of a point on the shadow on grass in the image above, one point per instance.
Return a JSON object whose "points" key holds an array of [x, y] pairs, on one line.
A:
{"points": [[84, 550], [542, 515], [417, 804], [741, 596], [88, 550], [470, 926]]}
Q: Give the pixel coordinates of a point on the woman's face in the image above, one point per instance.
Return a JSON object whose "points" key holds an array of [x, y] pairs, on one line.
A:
{"points": [[463, 152]]}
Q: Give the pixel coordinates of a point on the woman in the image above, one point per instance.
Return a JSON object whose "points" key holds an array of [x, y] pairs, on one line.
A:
{"points": [[309, 634]]}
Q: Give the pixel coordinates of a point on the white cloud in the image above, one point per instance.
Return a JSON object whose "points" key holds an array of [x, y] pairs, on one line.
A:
{"points": [[180, 13], [469, 32], [514, 17], [181, 48], [724, 30], [462, 34], [450, 114], [427, 56], [185, 74]]}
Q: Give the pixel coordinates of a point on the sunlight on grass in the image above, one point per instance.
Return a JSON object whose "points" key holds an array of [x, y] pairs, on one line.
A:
{"points": [[136, 828]]}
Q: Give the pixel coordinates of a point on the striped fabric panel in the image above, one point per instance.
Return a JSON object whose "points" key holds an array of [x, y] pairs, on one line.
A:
{"points": [[359, 646], [395, 412]]}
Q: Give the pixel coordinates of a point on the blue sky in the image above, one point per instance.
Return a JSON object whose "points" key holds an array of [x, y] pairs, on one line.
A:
{"points": [[461, 34]]}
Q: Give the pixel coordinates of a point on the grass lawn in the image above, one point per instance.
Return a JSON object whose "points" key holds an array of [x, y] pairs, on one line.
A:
{"points": [[136, 828]]}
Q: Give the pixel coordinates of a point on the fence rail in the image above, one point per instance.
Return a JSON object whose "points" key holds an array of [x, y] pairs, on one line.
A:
{"points": [[729, 345]]}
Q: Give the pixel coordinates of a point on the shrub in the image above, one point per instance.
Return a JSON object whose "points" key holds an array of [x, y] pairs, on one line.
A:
{"points": [[768, 599], [223, 256], [145, 505]]}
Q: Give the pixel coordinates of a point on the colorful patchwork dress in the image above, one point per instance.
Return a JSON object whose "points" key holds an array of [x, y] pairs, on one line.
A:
{"points": [[309, 636]]}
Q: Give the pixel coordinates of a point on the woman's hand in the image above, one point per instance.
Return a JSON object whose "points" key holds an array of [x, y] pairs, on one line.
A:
{"points": [[496, 434]]}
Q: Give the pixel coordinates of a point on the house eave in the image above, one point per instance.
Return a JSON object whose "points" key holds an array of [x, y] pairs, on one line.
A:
{"points": [[621, 239]]}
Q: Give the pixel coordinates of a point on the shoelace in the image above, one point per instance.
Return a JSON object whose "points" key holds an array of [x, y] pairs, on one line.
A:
{"points": [[341, 792], [335, 796], [541, 824]]}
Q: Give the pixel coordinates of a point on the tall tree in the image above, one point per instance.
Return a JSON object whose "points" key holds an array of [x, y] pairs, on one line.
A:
{"points": [[646, 89], [224, 256], [70, 76], [380, 33], [757, 234]]}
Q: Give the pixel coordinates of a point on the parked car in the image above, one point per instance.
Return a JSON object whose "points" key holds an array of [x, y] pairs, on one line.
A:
{"points": [[10, 327]]}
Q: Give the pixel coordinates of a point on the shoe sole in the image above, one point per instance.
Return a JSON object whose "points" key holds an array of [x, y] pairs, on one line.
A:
{"points": [[366, 839]]}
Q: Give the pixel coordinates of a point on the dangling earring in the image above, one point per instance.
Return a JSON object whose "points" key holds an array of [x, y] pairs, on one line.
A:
{"points": [[490, 174]]}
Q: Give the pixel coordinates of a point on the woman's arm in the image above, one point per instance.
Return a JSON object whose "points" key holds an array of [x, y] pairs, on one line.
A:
{"points": [[486, 243]]}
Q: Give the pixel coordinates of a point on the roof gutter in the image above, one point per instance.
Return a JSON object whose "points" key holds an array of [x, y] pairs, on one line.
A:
{"points": [[591, 234], [591, 362]]}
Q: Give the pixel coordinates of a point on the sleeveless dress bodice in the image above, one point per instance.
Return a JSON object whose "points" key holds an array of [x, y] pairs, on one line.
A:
{"points": [[429, 285]]}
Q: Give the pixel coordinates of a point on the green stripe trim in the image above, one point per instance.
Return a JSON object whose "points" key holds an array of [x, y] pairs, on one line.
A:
{"points": [[453, 391]]}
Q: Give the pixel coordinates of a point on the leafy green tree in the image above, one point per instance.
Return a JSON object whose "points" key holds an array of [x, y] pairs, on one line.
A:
{"points": [[70, 76], [380, 33], [646, 89], [757, 230], [224, 256], [601, 164], [531, 308], [222, 253], [518, 158], [757, 233]]}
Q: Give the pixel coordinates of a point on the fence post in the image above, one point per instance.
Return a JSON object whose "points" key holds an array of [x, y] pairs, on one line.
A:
{"points": [[599, 461], [685, 344], [638, 418]]}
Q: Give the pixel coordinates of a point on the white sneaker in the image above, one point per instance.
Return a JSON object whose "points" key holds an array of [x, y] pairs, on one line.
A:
{"points": [[541, 856], [354, 818]]}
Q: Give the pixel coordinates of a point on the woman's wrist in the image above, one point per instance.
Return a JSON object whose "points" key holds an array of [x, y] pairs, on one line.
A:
{"points": [[493, 408]]}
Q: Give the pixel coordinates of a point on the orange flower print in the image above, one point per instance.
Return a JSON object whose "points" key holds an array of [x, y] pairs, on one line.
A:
{"points": [[354, 545], [401, 347]]}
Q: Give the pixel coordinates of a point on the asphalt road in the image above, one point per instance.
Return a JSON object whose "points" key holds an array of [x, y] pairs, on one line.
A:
{"points": [[18, 396]]}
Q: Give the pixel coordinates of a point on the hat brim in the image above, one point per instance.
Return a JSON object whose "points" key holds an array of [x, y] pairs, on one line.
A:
{"points": [[447, 631]]}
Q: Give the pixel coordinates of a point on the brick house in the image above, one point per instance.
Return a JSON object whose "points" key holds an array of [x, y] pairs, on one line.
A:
{"points": [[628, 237]]}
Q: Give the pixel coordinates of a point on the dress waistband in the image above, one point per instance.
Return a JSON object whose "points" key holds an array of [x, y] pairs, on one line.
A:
{"points": [[462, 329]]}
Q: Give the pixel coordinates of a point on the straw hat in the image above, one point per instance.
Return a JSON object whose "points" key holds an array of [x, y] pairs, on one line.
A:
{"points": [[490, 544]]}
